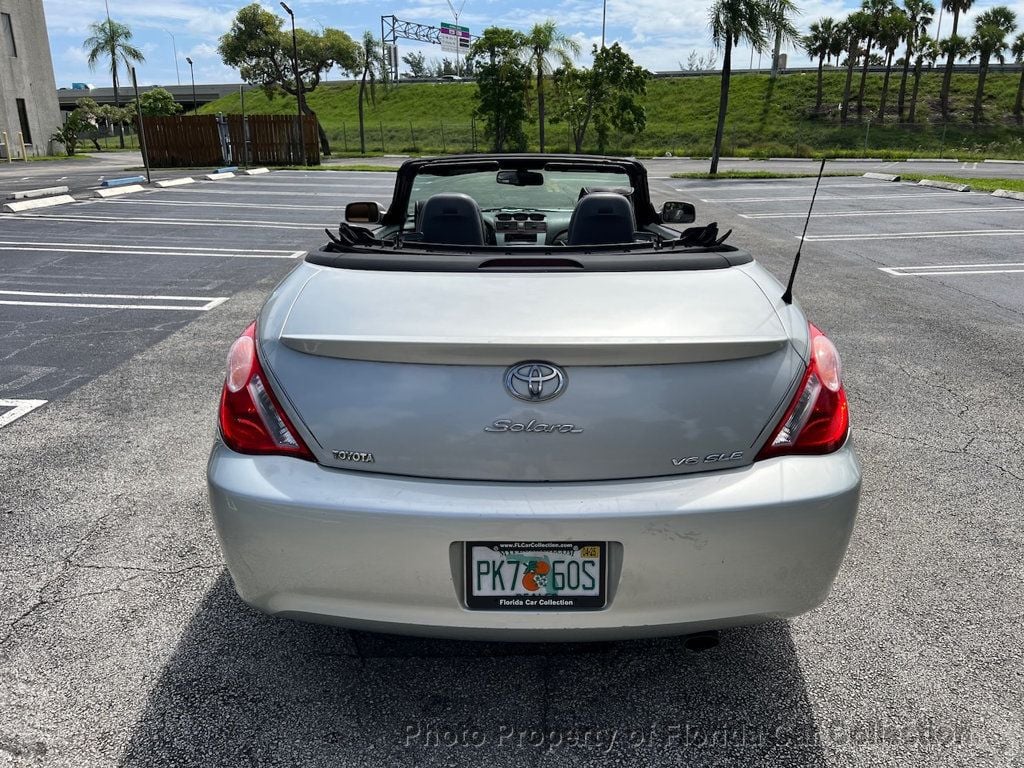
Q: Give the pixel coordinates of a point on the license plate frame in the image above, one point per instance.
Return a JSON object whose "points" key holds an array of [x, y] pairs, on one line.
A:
{"points": [[541, 600]]}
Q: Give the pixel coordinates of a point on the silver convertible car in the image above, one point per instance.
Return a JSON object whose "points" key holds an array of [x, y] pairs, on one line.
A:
{"points": [[522, 403]]}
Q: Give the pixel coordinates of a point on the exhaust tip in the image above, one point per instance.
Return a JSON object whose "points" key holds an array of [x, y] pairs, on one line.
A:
{"points": [[701, 641]]}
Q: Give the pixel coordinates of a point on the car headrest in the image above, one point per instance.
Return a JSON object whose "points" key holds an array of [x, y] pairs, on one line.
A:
{"points": [[452, 218], [601, 218]]}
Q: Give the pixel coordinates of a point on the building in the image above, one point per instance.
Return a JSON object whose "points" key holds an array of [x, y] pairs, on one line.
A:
{"points": [[29, 111]]}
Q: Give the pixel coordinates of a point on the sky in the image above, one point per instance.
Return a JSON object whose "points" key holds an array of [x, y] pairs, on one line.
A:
{"points": [[658, 34]]}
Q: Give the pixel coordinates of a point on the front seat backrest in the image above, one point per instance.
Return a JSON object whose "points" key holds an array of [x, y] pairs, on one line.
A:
{"points": [[601, 218], [452, 218]]}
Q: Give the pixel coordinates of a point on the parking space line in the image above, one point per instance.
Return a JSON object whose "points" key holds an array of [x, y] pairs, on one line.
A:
{"points": [[956, 269], [264, 193], [847, 198], [914, 235], [889, 212], [806, 183], [148, 250], [35, 298], [18, 409], [100, 219], [208, 204]]}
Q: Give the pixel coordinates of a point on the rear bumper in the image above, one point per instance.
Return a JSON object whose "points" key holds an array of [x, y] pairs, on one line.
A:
{"points": [[384, 553]]}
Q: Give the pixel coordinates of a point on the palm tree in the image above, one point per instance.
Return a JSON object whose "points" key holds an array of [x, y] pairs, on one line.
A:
{"points": [[1018, 55], [820, 42], [370, 61], [735, 21], [956, 7], [953, 47], [927, 50], [919, 13], [894, 29], [876, 10], [109, 38], [856, 27], [989, 39], [542, 44]]}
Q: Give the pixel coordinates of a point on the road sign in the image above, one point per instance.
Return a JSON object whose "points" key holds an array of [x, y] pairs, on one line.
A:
{"points": [[453, 37]]}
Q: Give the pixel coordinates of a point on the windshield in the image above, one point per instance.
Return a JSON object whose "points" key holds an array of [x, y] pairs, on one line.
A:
{"points": [[559, 191]]}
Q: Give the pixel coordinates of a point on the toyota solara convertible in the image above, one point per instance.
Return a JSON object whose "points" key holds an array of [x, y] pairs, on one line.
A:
{"points": [[522, 403]]}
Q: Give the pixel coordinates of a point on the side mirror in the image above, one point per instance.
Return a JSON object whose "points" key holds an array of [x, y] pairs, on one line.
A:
{"points": [[364, 213], [674, 212]]}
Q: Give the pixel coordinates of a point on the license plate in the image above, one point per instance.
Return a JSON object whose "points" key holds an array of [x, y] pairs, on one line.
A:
{"points": [[535, 576]]}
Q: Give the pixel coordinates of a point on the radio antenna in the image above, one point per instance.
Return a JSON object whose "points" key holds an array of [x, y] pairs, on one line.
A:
{"points": [[788, 295]]}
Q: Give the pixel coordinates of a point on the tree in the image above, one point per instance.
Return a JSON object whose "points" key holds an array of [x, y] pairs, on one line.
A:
{"points": [[919, 14], [857, 26], [955, 47], [157, 102], [111, 39], [502, 80], [876, 11], [990, 30], [261, 50], [68, 135], [1018, 56], [417, 64], [893, 30], [821, 42], [952, 50], [372, 65], [927, 50], [545, 43], [734, 21]]}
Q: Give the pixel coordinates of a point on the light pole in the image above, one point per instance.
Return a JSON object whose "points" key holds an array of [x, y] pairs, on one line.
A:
{"points": [[604, 14], [192, 72], [174, 45], [298, 82]]}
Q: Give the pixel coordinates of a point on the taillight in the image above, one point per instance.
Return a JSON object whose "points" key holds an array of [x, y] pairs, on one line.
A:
{"points": [[817, 421], [251, 419]]}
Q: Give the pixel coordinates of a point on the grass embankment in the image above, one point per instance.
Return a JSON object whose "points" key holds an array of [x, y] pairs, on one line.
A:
{"points": [[977, 184], [760, 175], [765, 119]]}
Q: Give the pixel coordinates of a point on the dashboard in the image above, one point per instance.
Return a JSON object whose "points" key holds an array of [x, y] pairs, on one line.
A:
{"points": [[523, 227]]}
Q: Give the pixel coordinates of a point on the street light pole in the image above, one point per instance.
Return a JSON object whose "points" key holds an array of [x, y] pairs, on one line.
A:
{"points": [[604, 14], [174, 45], [192, 71], [298, 82]]}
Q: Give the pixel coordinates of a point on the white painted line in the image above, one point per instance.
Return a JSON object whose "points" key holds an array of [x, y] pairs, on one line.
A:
{"points": [[26, 194], [267, 192], [219, 176], [166, 307], [20, 408], [165, 183], [937, 267], [892, 212], [802, 182], [208, 204], [41, 202], [849, 198], [248, 224], [953, 187], [1009, 194], [914, 235], [116, 191], [243, 184], [256, 171], [148, 250], [206, 302]]}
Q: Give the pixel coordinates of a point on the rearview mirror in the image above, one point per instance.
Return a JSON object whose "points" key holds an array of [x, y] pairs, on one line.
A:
{"points": [[363, 213], [521, 178], [675, 212]]}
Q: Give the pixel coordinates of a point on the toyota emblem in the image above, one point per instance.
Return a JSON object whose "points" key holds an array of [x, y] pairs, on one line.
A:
{"points": [[534, 381]]}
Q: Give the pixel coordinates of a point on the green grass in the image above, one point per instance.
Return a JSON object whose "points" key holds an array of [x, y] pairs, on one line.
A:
{"points": [[977, 184], [47, 158], [759, 175], [765, 119]]}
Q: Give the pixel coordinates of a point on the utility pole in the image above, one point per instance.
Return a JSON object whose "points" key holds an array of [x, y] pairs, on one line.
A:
{"points": [[298, 82]]}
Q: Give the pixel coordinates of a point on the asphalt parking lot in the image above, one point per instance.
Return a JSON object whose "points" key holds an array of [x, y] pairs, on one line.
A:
{"points": [[123, 643]]}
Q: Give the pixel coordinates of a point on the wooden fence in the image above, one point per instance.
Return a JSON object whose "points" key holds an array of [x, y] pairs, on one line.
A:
{"points": [[209, 140]]}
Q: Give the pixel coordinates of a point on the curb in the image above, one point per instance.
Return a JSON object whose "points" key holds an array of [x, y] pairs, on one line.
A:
{"points": [[256, 171], [40, 202], [931, 160], [1007, 193], [882, 176], [944, 185], [1007, 162], [175, 182], [122, 182], [216, 176], [120, 191], [44, 192]]}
